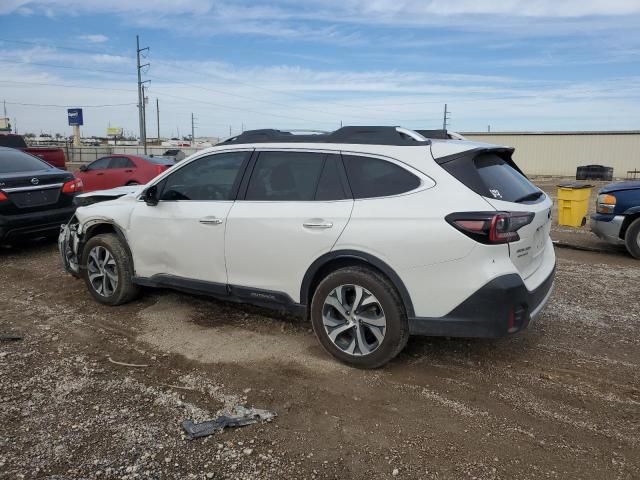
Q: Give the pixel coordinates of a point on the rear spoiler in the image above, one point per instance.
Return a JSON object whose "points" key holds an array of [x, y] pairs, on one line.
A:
{"points": [[504, 153]]}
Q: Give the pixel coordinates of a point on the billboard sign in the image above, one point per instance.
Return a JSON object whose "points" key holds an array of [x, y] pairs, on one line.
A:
{"points": [[75, 116], [114, 131]]}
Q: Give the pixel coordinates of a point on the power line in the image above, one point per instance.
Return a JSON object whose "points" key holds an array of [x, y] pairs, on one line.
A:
{"points": [[69, 106], [38, 64], [64, 85]]}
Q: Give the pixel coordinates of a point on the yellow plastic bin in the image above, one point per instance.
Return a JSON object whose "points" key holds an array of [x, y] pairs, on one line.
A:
{"points": [[573, 204]]}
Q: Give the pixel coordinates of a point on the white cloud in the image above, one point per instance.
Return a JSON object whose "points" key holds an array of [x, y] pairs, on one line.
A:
{"points": [[94, 38], [294, 97]]}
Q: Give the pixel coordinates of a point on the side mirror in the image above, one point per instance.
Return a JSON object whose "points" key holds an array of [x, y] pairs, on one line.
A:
{"points": [[150, 196], [83, 168]]}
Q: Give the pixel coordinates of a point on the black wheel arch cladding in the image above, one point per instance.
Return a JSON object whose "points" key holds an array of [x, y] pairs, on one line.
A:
{"points": [[311, 280]]}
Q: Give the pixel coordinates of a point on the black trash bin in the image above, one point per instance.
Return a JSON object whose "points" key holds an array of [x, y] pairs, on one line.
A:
{"points": [[594, 172]]}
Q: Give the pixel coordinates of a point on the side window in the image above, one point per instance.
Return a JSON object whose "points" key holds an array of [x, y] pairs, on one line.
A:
{"points": [[330, 185], [121, 162], [285, 176], [208, 178], [99, 164], [372, 177]]}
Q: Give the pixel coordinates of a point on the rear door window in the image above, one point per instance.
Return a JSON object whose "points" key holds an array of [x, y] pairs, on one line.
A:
{"points": [[371, 177], [121, 162], [285, 176]]}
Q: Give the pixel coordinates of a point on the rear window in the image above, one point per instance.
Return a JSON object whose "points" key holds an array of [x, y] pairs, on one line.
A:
{"points": [[494, 177], [12, 141], [159, 160], [15, 161]]}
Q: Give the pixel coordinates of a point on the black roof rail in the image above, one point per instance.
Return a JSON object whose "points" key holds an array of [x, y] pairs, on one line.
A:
{"points": [[357, 135]]}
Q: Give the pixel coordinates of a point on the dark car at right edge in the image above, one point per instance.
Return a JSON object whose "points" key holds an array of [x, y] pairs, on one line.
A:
{"points": [[617, 217]]}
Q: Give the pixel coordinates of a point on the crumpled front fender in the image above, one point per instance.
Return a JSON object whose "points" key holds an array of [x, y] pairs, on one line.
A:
{"points": [[68, 244]]}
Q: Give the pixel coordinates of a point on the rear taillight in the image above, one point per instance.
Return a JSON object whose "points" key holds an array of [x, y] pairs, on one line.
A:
{"points": [[160, 169], [72, 186], [491, 227], [3, 197]]}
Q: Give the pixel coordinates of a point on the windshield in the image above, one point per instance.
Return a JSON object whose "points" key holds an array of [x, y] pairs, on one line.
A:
{"points": [[15, 161]]}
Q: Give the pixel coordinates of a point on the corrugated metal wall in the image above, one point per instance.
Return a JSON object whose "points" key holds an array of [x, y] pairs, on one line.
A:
{"points": [[560, 154]]}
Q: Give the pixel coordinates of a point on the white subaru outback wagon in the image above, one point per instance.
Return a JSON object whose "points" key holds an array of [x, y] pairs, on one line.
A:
{"points": [[374, 233]]}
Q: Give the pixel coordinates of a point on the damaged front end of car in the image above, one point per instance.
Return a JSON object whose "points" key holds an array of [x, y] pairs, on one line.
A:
{"points": [[68, 244]]}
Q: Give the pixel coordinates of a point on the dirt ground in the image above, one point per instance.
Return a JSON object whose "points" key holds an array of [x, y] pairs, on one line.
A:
{"points": [[561, 400]]}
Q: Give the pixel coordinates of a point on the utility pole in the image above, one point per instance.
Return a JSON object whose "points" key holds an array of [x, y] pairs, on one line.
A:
{"points": [[230, 130], [144, 116], [158, 118], [488, 128], [143, 133], [193, 130], [446, 118]]}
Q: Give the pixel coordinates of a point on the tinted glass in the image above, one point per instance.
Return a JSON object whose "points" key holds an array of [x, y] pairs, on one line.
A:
{"points": [[371, 177], [502, 180], [208, 178], [13, 161], [121, 162], [100, 164], [13, 141], [285, 176], [330, 184], [159, 160]]}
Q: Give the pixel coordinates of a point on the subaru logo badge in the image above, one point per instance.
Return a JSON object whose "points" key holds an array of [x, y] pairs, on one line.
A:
{"points": [[35, 181]]}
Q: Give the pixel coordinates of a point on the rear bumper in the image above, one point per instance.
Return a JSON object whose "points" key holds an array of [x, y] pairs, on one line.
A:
{"points": [[34, 224], [501, 307], [607, 227]]}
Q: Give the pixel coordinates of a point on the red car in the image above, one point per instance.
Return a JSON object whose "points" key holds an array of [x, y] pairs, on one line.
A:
{"points": [[119, 170]]}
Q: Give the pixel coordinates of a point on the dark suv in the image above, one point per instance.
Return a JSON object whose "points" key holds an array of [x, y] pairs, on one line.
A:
{"points": [[35, 198]]}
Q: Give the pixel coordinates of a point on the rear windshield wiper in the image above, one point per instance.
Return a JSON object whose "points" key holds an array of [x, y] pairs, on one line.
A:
{"points": [[530, 197]]}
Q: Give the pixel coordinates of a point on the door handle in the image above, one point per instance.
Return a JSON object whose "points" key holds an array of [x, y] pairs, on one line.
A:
{"points": [[210, 221], [129, 171], [317, 224]]}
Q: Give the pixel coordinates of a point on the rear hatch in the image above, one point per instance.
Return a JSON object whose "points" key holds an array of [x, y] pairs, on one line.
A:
{"points": [[492, 174]]}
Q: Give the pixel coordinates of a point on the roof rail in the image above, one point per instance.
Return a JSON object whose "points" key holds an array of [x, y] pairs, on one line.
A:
{"points": [[373, 135], [441, 134]]}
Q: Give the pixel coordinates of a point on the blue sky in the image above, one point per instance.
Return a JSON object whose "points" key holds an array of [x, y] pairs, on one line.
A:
{"points": [[511, 64]]}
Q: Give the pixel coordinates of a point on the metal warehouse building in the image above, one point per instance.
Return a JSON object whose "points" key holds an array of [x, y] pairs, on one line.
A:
{"points": [[559, 153]]}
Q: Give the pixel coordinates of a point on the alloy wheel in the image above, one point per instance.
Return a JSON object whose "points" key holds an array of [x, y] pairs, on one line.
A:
{"points": [[354, 320], [103, 271]]}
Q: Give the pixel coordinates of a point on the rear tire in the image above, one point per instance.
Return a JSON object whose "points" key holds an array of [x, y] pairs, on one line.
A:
{"points": [[632, 238], [374, 332], [107, 270]]}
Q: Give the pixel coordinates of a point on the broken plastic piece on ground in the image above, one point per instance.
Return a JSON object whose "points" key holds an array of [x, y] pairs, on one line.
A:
{"points": [[10, 338], [243, 416]]}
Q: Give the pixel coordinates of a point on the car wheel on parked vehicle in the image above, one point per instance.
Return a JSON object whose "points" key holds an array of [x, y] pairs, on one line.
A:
{"points": [[358, 317], [108, 271], [632, 238]]}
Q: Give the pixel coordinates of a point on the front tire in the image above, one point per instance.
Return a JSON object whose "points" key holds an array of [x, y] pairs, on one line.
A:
{"points": [[632, 238], [358, 317], [108, 270]]}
